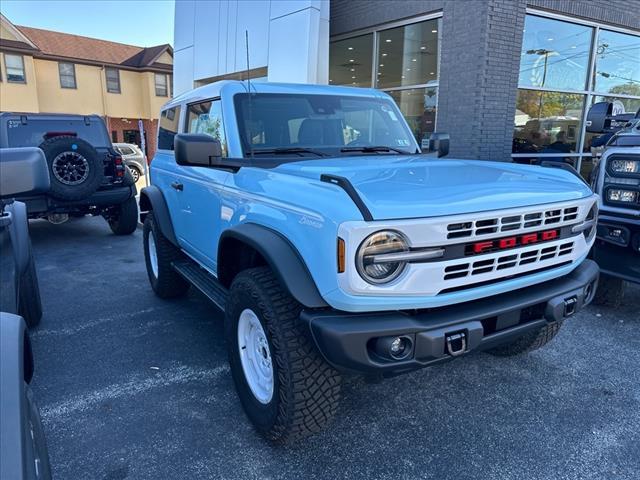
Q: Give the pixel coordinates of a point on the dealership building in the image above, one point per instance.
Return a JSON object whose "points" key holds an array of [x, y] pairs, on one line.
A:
{"points": [[507, 79]]}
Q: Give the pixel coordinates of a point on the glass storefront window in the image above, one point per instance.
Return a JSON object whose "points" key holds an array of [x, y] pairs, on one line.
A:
{"points": [[418, 105], [350, 61], [554, 54], [408, 55], [617, 64], [547, 122]]}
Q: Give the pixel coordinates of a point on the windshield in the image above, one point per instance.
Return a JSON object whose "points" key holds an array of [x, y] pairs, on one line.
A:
{"points": [[329, 124]]}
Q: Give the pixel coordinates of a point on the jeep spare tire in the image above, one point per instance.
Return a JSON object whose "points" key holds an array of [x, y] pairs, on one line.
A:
{"points": [[75, 168]]}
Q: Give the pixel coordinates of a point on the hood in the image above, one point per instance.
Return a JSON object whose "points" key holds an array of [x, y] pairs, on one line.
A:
{"points": [[395, 187]]}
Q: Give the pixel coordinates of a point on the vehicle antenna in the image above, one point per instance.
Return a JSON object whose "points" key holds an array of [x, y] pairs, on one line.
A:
{"points": [[246, 39]]}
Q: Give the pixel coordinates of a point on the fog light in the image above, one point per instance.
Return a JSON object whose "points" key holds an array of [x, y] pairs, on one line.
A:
{"points": [[394, 348], [397, 346]]}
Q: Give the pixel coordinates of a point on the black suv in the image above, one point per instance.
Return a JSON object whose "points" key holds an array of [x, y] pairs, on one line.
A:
{"points": [[87, 175], [24, 451], [616, 178]]}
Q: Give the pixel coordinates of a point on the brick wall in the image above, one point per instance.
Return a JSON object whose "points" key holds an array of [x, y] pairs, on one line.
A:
{"points": [[119, 125], [480, 58]]}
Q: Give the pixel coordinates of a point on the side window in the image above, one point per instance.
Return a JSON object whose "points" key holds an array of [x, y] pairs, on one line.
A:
{"points": [[125, 151], [206, 117], [168, 127]]}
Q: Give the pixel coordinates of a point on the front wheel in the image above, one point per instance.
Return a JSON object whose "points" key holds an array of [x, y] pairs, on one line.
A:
{"points": [[286, 388], [29, 302], [124, 218]]}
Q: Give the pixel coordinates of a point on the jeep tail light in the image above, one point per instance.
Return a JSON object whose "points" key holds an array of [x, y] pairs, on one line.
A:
{"points": [[341, 261], [117, 160]]}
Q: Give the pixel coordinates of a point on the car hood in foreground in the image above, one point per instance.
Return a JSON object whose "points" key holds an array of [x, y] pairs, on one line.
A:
{"points": [[396, 187]]}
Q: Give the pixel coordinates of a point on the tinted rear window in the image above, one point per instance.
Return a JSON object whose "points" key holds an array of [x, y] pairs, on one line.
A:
{"points": [[33, 133], [169, 121]]}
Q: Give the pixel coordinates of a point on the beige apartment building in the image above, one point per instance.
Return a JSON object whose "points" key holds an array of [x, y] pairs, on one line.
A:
{"points": [[51, 72]]}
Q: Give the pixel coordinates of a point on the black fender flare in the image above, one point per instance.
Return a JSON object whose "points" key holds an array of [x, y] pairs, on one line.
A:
{"points": [[152, 199], [281, 256]]}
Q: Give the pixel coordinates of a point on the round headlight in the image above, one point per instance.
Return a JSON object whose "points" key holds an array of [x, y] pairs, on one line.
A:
{"points": [[370, 259]]}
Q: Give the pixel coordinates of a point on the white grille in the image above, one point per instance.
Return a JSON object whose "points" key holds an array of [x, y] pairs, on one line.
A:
{"points": [[507, 261], [512, 222]]}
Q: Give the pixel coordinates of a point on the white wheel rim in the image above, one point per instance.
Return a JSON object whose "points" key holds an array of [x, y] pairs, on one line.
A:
{"points": [[255, 356], [153, 254]]}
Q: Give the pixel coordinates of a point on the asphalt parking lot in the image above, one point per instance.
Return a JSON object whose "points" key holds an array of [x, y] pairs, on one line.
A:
{"points": [[134, 387]]}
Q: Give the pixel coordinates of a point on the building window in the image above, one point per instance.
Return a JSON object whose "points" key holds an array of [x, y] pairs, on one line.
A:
{"points": [[406, 66], [114, 136], [350, 61], [67, 73], [617, 69], [161, 84], [565, 67], [113, 79], [168, 127], [14, 66], [206, 117]]}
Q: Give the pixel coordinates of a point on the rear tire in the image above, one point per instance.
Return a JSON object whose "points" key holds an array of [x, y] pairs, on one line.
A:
{"points": [[305, 390], [124, 219], [610, 291], [135, 173], [159, 254], [529, 342], [29, 302]]}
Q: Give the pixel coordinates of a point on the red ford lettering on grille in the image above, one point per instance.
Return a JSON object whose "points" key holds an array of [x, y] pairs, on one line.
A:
{"points": [[511, 242]]}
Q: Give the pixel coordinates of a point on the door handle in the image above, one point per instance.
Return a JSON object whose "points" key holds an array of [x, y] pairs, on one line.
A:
{"points": [[177, 186]]}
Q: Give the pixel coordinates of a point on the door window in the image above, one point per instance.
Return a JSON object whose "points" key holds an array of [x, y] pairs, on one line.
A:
{"points": [[206, 117]]}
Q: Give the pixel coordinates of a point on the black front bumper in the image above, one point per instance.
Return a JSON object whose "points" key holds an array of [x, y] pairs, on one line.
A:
{"points": [[348, 340], [617, 248]]}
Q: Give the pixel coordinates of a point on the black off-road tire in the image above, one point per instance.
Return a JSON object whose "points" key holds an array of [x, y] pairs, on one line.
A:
{"points": [[528, 342], [29, 302], [57, 146], [123, 219], [168, 283], [610, 291], [306, 388]]}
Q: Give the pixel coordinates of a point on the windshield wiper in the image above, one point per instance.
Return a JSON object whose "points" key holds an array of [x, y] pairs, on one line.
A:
{"points": [[285, 150], [374, 149]]}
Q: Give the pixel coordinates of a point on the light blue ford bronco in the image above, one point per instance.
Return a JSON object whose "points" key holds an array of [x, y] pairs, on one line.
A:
{"points": [[335, 246]]}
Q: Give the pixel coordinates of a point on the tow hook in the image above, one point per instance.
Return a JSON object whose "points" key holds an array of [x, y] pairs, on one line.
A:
{"points": [[456, 343], [570, 305]]}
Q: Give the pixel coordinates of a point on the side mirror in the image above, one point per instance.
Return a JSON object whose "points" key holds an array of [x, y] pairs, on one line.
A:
{"points": [[600, 118], [436, 142], [597, 117], [23, 171], [196, 149]]}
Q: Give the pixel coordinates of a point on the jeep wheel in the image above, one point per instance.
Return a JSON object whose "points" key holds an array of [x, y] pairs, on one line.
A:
{"points": [[29, 303], [286, 388], [528, 342], [75, 168], [610, 291], [159, 254], [123, 219], [135, 173]]}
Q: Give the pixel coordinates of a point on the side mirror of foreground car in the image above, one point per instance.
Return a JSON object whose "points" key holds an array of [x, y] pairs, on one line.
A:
{"points": [[23, 171], [197, 149], [436, 143]]}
